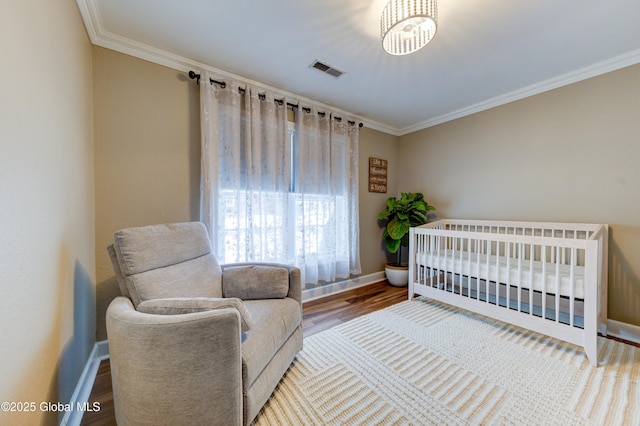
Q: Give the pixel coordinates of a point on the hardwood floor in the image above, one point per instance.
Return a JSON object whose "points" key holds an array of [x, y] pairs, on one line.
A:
{"points": [[318, 315], [330, 311], [102, 393]]}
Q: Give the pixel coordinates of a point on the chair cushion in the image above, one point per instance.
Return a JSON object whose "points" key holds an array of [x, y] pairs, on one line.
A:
{"points": [[149, 247], [255, 282], [165, 261], [274, 321], [184, 305], [116, 268]]}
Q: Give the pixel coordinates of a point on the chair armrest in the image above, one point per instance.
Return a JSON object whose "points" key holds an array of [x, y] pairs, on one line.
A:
{"points": [[172, 369], [254, 280]]}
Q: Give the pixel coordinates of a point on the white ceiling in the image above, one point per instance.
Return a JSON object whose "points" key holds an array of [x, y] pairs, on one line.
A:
{"points": [[485, 53]]}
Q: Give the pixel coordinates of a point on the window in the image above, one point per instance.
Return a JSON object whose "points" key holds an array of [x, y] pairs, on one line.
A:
{"points": [[268, 227], [277, 192]]}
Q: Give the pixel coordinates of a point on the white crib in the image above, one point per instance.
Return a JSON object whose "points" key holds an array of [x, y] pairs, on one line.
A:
{"points": [[547, 277]]}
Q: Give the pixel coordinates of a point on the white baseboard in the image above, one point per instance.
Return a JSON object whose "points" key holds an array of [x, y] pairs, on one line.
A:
{"points": [[103, 350], [82, 391], [624, 331], [341, 286]]}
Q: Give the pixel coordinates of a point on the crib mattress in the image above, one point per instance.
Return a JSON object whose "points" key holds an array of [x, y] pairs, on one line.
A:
{"points": [[538, 276]]}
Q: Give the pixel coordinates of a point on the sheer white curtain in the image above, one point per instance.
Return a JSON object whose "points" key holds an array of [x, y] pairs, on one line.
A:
{"points": [[268, 194], [245, 173], [326, 188]]}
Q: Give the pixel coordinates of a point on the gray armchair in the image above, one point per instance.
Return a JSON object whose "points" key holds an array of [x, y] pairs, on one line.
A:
{"points": [[193, 342]]}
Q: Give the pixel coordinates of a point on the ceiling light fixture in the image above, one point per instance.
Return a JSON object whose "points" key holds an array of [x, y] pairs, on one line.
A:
{"points": [[408, 25]]}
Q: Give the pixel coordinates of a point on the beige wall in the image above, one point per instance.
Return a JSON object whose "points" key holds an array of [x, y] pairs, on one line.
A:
{"points": [[147, 154], [47, 259], [570, 154], [379, 145]]}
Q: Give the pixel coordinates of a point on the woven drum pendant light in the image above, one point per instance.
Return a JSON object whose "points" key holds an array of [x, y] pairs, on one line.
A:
{"points": [[408, 25]]}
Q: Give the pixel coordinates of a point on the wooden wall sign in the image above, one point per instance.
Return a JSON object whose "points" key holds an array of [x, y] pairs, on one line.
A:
{"points": [[377, 175]]}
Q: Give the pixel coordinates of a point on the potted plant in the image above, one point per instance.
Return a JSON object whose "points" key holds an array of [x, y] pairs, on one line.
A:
{"points": [[400, 215]]}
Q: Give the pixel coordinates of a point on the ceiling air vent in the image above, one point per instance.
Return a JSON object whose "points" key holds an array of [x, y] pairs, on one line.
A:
{"points": [[327, 69]]}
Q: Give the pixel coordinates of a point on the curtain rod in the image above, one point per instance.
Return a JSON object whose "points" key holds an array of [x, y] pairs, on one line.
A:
{"points": [[194, 76]]}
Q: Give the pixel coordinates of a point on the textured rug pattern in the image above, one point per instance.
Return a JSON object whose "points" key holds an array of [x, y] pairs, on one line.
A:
{"points": [[425, 363]]}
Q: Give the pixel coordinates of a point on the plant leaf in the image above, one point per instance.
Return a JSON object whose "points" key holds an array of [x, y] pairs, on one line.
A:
{"points": [[391, 244], [397, 228], [419, 218]]}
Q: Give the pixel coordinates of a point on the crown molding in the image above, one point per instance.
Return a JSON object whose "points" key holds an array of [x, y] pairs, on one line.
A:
{"points": [[87, 10], [100, 37], [613, 64]]}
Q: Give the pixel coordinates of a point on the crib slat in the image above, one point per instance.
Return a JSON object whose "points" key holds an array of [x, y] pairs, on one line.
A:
{"points": [[423, 252], [531, 256], [519, 281], [454, 247], [543, 257], [425, 249], [497, 281], [419, 249], [478, 249], [433, 248], [428, 252], [459, 249], [469, 267], [436, 272], [557, 285], [488, 254], [447, 244], [508, 278], [572, 301], [437, 251]]}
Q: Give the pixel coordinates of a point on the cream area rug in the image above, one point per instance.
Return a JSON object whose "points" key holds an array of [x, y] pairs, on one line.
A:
{"points": [[425, 363]]}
